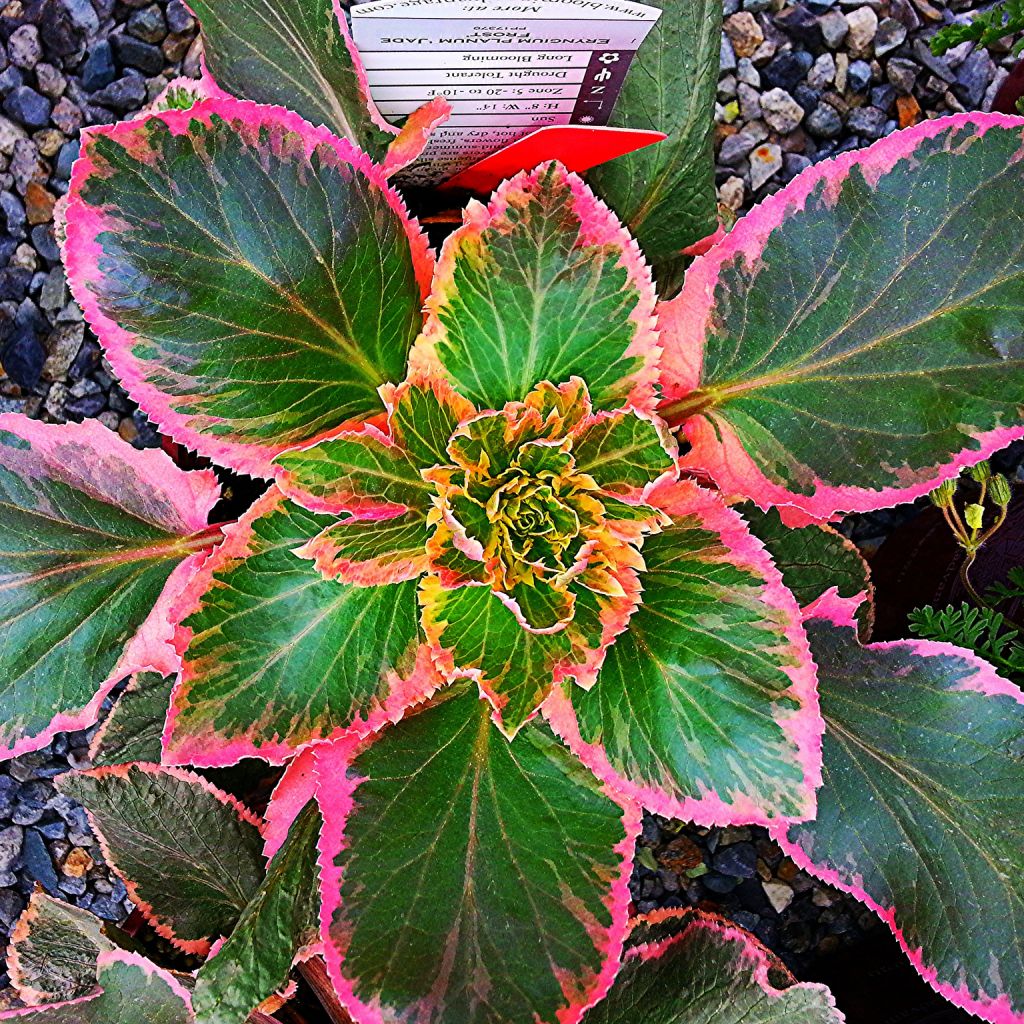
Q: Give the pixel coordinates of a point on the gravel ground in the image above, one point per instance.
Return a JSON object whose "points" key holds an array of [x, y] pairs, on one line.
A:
{"points": [[798, 83]]}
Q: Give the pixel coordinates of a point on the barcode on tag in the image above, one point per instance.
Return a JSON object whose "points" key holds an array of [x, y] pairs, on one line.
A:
{"points": [[506, 68]]}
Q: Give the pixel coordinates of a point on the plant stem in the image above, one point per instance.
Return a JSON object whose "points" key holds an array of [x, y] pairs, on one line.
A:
{"points": [[967, 585], [314, 972], [261, 1018]]}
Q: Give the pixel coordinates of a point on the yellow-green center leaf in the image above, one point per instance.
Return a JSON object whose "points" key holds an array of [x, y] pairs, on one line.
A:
{"points": [[469, 880], [860, 336], [252, 278], [543, 285]]}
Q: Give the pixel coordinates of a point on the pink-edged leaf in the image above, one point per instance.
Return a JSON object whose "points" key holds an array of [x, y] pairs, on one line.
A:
{"points": [[362, 473], [442, 928], [53, 951], [921, 811], [477, 633], [625, 453], [280, 922], [299, 56], [275, 655], [296, 787], [133, 731], [415, 134], [98, 539], [252, 279], [542, 284], [189, 854], [129, 989], [370, 553], [424, 412], [705, 707], [695, 968], [858, 337], [815, 560]]}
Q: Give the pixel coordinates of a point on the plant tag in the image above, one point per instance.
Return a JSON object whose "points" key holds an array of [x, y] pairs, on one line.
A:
{"points": [[577, 147], [507, 68]]}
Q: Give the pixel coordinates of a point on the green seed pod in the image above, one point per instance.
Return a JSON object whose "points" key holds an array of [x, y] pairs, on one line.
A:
{"points": [[942, 496], [981, 472], [999, 489], [975, 515]]}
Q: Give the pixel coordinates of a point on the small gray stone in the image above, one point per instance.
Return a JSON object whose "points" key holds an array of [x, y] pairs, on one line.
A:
{"points": [[83, 16], [735, 149], [902, 75], [936, 65], [148, 24], [833, 29], [28, 106], [765, 163], [126, 93], [747, 73], [11, 839], [823, 72], [863, 24], [99, 70], [179, 20], [726, 57], [891, 33], [867, 121], [750, 102], [972, 78], [10, 133], [824, 122], [24, 48], [858, 76], [793, 164], [781, 111]]}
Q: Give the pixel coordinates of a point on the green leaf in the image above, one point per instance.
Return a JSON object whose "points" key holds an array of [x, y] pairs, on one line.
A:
{"points": [[708, 970], [92, 532], [543, 285], [921, 814], [704, 708], [53, 951], [480, 634], [480, 880], [665, 194], [371, 552], [280, 920], [131, 991], [424, 414], [863, 330], [253, 280], [813, 560], [294, 55], [364, 474], [623, 453], [190, 857], [277, 655], [135, 725]]}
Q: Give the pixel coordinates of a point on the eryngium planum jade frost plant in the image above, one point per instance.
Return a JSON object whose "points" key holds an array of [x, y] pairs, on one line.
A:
{"points": [[509, 579]]}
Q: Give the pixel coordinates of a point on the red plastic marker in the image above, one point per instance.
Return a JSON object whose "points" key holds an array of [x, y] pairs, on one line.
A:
{"points": [[578, 146]]}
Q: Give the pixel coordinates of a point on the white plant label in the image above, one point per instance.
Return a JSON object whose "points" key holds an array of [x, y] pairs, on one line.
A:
{"points": [[506, 68]]}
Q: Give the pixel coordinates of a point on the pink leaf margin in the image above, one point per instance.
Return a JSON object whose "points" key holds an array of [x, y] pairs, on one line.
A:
{"points": [[804, 728], [82, 252], [685, 321], [105, 959], [213, 750], [160, 925], [751, 954], [840, 612], [185, 500], [335, 788], [415, 134], [598, 227]]}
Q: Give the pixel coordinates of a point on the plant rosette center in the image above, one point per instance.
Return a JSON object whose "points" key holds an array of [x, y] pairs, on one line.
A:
{"points": [[529, 522]]}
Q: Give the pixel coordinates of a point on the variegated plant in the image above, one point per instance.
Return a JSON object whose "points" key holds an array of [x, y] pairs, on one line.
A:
{"points": [[497, 594]]}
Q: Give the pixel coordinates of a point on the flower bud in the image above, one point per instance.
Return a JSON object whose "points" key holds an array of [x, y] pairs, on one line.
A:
{"points": [[981, 472], [942, 496], [999, 489], [975, 516]]}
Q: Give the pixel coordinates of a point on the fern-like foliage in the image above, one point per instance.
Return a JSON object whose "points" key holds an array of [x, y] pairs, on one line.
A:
{"points": [[983, 630], [987, 27]]}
